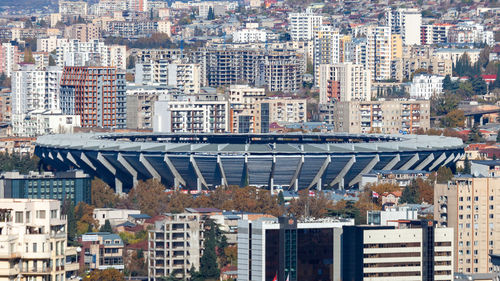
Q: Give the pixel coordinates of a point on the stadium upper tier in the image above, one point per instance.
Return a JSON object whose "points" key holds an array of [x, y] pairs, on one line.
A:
{"points": [[205, 161]]}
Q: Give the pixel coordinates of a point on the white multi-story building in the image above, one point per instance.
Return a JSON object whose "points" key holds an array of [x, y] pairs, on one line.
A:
{"points": [[471, 32], [41, 122], [379, 52], [114, 216], [344, 82], [196, 114], [248, 35], [391, 216], [434, 33], [326, 47], [425, 86], [33, 240], [34, 89], [73, 8], [302, 25], [9, 58], [184, 76], [175, 246], [76, 53], [50, 43], [406, 22]]}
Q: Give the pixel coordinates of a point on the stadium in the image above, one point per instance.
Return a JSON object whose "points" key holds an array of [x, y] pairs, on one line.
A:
{"points": [[205, 161]]}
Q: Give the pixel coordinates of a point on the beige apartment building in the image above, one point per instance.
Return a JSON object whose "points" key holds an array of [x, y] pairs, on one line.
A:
{"points": [[344, 82], [471, 207], [175, 245], [382, 116], [33, 241]]}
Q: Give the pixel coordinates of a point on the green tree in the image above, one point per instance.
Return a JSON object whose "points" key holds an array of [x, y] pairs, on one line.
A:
{"points": [[106, 227], [475, 134], [444, 174], [498, 136], [208, 261], [479, 86], [68, 209], [28, 56], [281, 197], [496, 84], [52, 62], [211, 14], [409, 195], [467, 166], [130, 62]]}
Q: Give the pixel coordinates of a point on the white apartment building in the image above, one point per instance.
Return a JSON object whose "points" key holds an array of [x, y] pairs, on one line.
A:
{"points": [[33, 240], [326, 47], [140, 104], [344, 82], [175, 246], [302, 25], [425, 86], [184, 76], [76, 53], [249, 35], [9, 59], [191, 113], [41, 122], [471, 32], [50, 43], [34, 89], [379, 53], [73, 8], [390, 216], [407, 22], [434, 33]]}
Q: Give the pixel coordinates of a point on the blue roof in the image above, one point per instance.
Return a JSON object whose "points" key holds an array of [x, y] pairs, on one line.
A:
{"points": [[127, 224], [399, 172], [487, 162]]}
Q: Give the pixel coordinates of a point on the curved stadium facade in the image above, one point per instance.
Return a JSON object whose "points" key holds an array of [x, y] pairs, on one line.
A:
{"points": [[205, 161]]}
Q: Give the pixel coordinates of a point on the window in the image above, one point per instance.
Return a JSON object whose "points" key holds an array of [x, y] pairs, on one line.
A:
{"points": [[34, 247], [28, 216], [19, 217], [53, 214], [40, 214]]}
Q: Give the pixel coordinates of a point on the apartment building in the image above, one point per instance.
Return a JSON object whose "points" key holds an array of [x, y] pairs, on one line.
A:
{"points": [[455, 54], [184, 76], [282, 111], [344, 82], [73, 8], [33, 240], [9, 59], [280, 70], [436, 33], [77, 53], [140, 105], [244, 102], [49, 44], [96, 94], [191, 113], [469, 206], [379, 52], [413, 250], [71, 185], [101, 250], [383, 116], [403, 69], [425, 86], [290, 249], [147, 55], [326, 48], [390, 216], [407, 22], [5, 107], [470, 32], [248, 35], [137, 28], [83, 32], [175, 245], [42, 122], [35, 89], [302, 25]]}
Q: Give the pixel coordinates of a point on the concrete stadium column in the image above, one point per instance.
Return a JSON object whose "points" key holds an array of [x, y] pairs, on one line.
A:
{"points": [[426, 162], [481, 120], [295, 182], [339, 179], [149, 167], [410, 162], [223, 173], [128, 167], [438, 161], [393, 163], [178, 180], [365, 170]]}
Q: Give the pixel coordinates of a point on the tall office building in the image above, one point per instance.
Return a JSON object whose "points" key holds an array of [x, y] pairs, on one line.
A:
{"points": [[289, 249], [344, 82], [326, 47], [469, 205], [302, 25], [175, 245], [414, 250], [97, 94], [407, 22], [33, 241], [34, 89]]}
